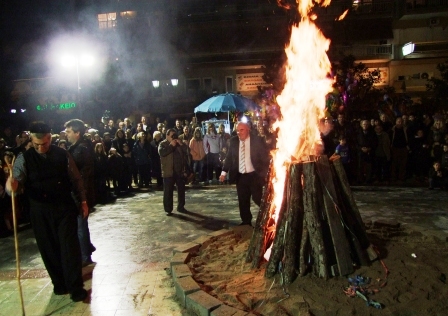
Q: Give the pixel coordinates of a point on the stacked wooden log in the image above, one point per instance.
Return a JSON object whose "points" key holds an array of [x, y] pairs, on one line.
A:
{"points": [[319, 228]]}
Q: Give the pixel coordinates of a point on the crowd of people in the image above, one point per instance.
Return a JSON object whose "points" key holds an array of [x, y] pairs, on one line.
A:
{"points": [[60, 177], [391, 151], [381, 150], [118, 158]]}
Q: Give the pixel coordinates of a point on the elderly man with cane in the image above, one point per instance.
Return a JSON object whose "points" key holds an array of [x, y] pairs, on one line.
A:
{"points": [[48, 174]]}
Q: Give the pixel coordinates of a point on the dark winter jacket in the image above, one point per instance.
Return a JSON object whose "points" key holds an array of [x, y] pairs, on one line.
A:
{"points": [[142, 153], [174, 160], [83, 155]]}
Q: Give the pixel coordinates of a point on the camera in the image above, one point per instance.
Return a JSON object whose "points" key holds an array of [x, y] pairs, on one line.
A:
{"points": [[106, 116], [174, 136]]}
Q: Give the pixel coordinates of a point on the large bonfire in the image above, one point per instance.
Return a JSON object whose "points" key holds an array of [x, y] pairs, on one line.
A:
{"points": [[308, 219], [302, 101]]}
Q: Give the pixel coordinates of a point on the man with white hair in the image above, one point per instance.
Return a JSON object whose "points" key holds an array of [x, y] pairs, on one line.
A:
{"points": [[247, 163]]}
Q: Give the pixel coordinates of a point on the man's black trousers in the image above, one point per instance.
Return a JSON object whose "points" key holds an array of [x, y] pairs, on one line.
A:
{"points": [[56, 231], [248, 185]]}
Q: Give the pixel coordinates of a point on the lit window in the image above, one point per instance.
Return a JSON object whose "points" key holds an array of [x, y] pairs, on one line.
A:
{"points": [[107, 20], [358, 3], [128, 15]]}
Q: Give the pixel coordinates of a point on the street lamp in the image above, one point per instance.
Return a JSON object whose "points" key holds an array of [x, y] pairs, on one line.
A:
{"points": [[155, 83], [83, 60]]}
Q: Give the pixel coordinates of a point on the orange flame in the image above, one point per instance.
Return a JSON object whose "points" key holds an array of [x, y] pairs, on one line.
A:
{"points": [[302, 101], [342, 16], [306, 5]]}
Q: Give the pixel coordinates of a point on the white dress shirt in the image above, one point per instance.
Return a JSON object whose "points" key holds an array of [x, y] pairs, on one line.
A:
{"points": [[247, 160]]}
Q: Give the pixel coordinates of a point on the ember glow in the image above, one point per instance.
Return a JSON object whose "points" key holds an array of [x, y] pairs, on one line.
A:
{"points": [[342, 16], [302, 101]]}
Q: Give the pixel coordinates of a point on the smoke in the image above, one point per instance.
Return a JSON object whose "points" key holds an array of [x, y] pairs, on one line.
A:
{"points": [[139, 50], [126, 58], [145, 44]]}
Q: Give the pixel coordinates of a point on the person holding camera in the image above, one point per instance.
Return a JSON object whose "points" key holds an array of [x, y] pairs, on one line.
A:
{"points": [[175, 163]]}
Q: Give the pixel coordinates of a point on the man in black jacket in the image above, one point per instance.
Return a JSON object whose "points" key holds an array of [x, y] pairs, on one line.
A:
{"points": [[82, 151], [367, 142], [247, 163]]}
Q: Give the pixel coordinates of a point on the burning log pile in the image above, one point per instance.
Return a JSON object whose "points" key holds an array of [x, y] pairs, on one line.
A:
{"points": [[308, 219], [318, 230]]}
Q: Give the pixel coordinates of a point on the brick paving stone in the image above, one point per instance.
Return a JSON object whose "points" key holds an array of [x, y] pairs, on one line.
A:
{"points": [[225, 310], [187, 247], [185, 286], [180, 258], [181, 270], [201, 303]]}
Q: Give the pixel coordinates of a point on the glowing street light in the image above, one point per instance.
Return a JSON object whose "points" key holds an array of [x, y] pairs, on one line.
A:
{"points": [[174, 82], [155, 83], [83, 60]]}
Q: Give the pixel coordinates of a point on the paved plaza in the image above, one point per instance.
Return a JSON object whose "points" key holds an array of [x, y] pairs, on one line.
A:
{"points": [[135, 241]]}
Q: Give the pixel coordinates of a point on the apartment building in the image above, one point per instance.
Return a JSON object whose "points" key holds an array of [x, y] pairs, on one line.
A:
{"points": [[175, 54]]}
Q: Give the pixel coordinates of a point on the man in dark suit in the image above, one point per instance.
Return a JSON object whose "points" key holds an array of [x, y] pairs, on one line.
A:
{"points": [[247, 163]]}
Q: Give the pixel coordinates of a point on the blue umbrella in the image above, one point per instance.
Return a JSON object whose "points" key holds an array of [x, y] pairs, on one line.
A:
{"points": [[227, 102]]}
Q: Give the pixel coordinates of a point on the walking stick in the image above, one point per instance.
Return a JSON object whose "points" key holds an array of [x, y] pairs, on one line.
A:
{"points": [[16, 240]]}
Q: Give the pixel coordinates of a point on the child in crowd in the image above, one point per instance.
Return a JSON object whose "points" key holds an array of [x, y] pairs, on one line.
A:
{"points": [[63, 144], [343, 151], [438, 177]]}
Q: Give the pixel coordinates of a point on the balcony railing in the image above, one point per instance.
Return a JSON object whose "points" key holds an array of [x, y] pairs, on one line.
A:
{"points": [[363, 51], [429, 50]]}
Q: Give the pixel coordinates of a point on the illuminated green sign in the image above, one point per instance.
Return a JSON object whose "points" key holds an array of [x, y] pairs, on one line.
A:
{"points": [[53, 107]]}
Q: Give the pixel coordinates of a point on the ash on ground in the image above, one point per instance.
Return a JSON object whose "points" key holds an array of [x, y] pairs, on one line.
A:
{"points": [[416, 284]]}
